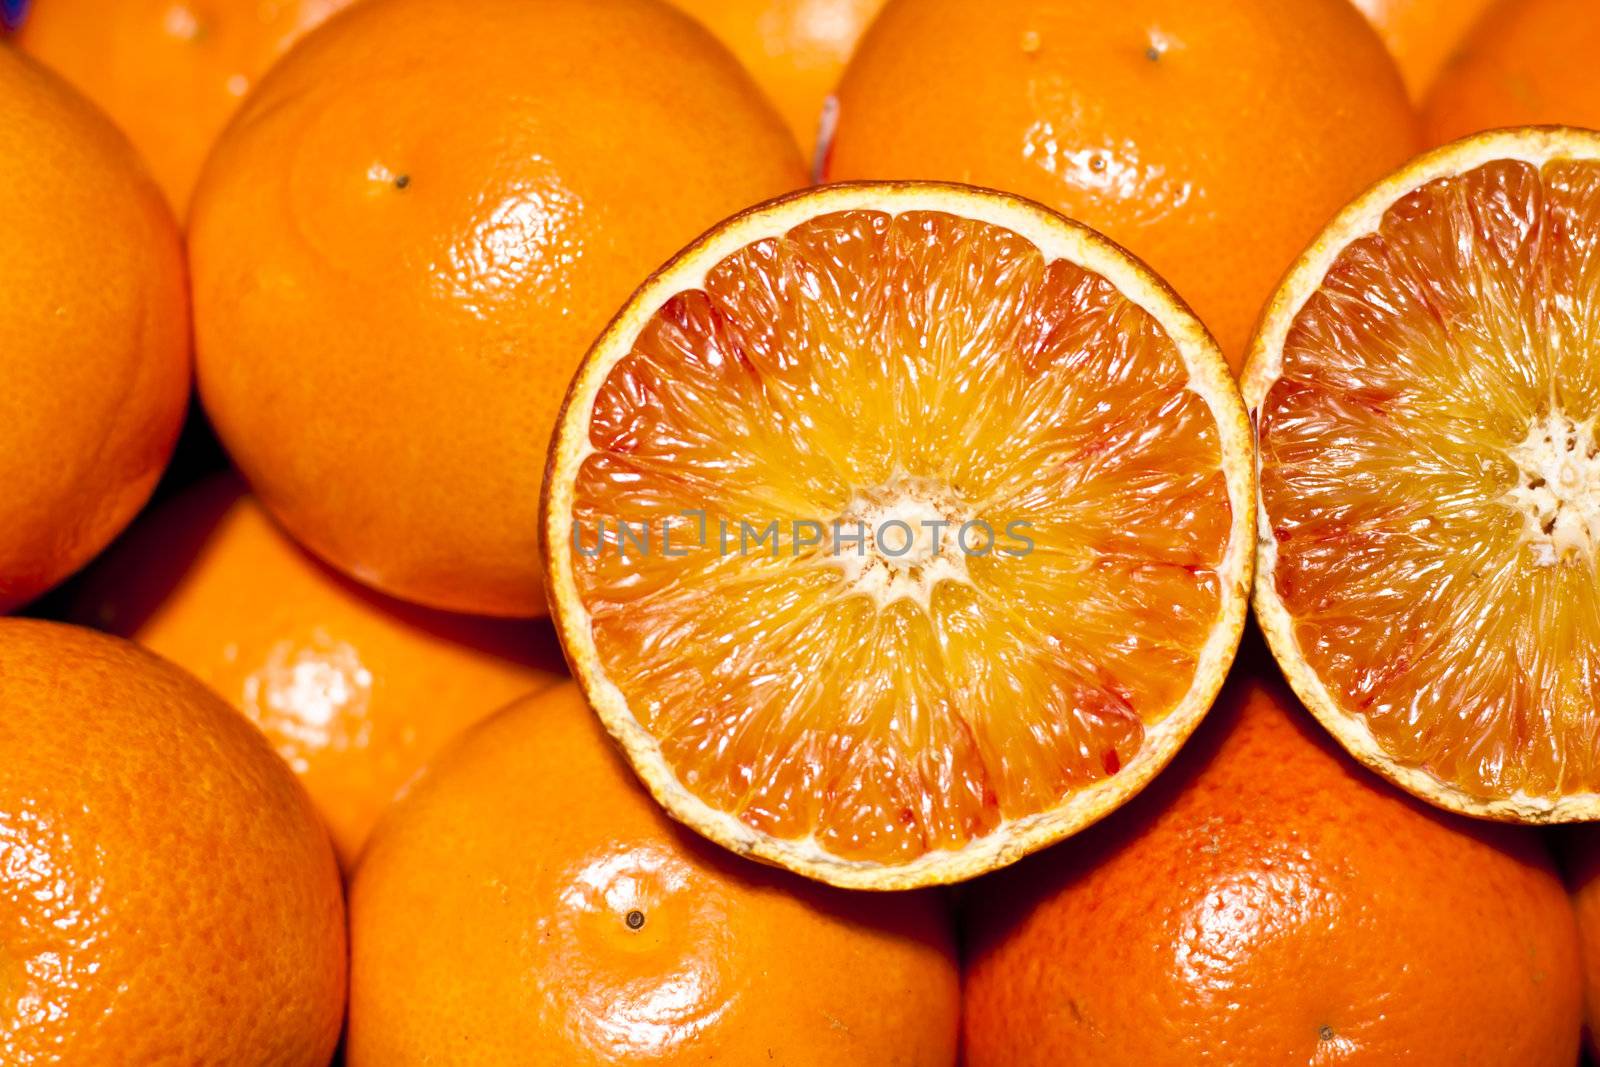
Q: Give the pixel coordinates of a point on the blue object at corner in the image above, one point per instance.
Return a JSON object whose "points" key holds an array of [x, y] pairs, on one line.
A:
{"points": [[11, 12]]}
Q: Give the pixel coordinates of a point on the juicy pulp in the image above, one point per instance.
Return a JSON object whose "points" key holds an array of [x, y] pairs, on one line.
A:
{"points": [[903, 695]]}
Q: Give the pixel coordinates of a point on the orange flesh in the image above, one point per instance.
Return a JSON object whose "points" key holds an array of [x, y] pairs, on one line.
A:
{"points": [[1430, 475], [924, 367]]}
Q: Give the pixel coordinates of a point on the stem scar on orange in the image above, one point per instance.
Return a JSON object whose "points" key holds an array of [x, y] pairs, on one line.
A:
{"points": [[1269, 902], [572, 924], [1211, 139], [808, 672], [1427, 391], [409, 236]]}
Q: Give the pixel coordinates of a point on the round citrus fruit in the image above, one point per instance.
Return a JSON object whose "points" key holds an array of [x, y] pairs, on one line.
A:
{"points": [[1526, 62], [796, 49], [168, 895], [570, 924], [1211, 139], [1421, 34], [403, 246], [1426, 391], [1267, 901], [897, 530], [170, 72], [354, 690], [94, 331]]}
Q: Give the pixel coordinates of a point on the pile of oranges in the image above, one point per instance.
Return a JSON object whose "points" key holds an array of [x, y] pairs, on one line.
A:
{"points": [[365, 358]]}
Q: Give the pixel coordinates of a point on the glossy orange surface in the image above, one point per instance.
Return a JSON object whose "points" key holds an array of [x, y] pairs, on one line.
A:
{"points": [[94, 331], [796, 49], [354, 690], [1527, 62], [170, 72], [168, 895], [1422, 34], [569, 923], [1213, 140], [410, 237], [1268, 901]]}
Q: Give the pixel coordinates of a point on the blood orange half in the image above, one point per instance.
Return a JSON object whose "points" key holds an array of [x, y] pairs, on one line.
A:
{"points": [[897, 530], [1426, 385]]}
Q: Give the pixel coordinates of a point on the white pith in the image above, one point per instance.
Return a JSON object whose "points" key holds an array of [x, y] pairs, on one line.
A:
{"points": [[1558, 489], [899, 541]]}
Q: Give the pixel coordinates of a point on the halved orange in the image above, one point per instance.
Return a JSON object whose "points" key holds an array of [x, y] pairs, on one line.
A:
{"points": [[897, 530], [1426, 386]]}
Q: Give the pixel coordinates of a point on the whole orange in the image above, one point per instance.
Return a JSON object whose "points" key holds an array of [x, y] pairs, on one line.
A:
{"points": [[1527, 62], [796, 49], [356, 691], [170, 72], [1269, 901], [168, 895], [1213, 140], [1421, 34], [569, 923], [94, 331], [405, 243]]}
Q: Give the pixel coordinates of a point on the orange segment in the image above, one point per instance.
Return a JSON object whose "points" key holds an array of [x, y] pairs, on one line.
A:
{"points": [[1427, 391], [897, 530]]}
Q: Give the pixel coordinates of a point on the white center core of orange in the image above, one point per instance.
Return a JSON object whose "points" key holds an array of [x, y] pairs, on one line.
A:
{"points": [[1558, 488], [899, 540]]}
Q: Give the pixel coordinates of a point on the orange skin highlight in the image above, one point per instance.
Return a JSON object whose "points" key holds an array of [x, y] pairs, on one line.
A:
{"points": [[1422, 34], [354, 690], [570, 924], [169, 894], [405, 243], [170, 72], [795, 49], [94, 317], [1268, 901], [1527, 63], [1213, 140]]}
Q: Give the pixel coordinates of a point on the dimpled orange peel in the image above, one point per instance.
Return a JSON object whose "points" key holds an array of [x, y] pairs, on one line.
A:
{"points": [[1268, 901], [1211, 139], [167, 893], [94, 331], [1426, 391], [356, 691], [416, 226], [949, 500], [572, 924]]}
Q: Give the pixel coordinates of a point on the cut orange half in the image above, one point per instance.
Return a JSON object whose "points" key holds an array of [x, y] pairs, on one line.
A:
{"points": [[1426, 386], [897, 530]]}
